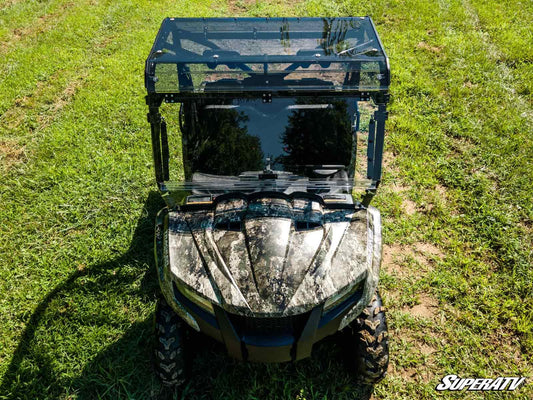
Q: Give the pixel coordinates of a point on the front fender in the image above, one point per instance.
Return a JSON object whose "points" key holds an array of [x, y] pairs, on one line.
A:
{"points": [[375, 250], [162, 262]]}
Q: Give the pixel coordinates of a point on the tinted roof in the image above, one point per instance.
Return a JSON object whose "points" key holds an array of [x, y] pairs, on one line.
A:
{"points": [[194, 55]]}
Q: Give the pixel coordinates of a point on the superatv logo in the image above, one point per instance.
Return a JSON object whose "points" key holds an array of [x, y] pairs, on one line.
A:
{"points": [[453, 382]]}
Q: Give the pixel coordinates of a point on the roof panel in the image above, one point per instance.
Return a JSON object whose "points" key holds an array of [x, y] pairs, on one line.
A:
{"points": [[258, 54]]}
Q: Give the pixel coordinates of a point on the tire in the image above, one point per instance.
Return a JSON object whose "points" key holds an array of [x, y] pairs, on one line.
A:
{"points": [[169, 353], [370, 340]]}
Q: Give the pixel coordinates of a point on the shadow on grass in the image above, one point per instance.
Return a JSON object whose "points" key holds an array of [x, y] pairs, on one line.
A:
{"points": [[60, 354], [77, 316], [216, 376]]}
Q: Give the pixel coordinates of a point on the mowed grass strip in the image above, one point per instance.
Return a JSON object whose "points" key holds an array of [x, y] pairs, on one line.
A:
{"points": [[35, 91], [23, 21], [513, 39], [54, 226], [36, 59], [76, 226]]}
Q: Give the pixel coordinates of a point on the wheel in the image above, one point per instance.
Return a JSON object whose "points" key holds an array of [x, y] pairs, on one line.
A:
{"points": [[170, 333], [370, 343]]}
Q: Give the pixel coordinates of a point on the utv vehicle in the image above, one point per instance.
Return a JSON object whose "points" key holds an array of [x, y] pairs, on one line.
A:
{"points": [[267, 242]]}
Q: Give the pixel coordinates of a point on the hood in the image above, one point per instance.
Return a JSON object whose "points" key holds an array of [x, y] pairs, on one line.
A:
{"points": [[268, 256]]}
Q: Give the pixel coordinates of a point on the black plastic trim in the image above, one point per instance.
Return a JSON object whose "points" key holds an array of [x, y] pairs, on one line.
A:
{"points": [[230, 337], [304, 345], [341, 309], [193, 308]]}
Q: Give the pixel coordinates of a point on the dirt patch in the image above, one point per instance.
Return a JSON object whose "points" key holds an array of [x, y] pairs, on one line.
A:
{"points": [[428, 47], [422, 375], [392, 259], [428, 249], [425, 375], [427, 308], [506, 345], [417, 375], [11, 153], [409, 374], [422, 352], [526, 226], [399, 188], [409, 207], [441, 190], [395, 257], [427, 349], [436, 201]]}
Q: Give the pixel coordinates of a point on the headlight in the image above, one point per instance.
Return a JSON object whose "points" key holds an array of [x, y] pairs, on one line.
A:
{"points": [[342, 295]]}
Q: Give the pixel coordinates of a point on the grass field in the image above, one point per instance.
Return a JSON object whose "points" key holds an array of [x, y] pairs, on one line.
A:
{"points": [[78, 200]]}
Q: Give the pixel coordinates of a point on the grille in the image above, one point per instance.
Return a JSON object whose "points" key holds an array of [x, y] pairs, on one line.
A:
{"points": [[253, 326]]}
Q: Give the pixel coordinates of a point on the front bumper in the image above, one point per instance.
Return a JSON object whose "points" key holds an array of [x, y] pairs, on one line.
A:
{"points": [[267, 339]]}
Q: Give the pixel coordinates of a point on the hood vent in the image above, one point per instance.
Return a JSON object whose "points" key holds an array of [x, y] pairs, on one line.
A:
{"points": [[228, 225], [306, 225]]}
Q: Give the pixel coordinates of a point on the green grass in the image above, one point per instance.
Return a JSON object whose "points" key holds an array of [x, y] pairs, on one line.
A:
{"points": [[77, 281]]}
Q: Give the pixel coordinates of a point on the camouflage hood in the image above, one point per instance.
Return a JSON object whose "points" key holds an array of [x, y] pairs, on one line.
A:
{"points": [[269, 256]]}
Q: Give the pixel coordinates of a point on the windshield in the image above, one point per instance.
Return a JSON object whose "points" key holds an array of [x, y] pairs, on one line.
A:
{"points": [[268, 104], [304, 136]]}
